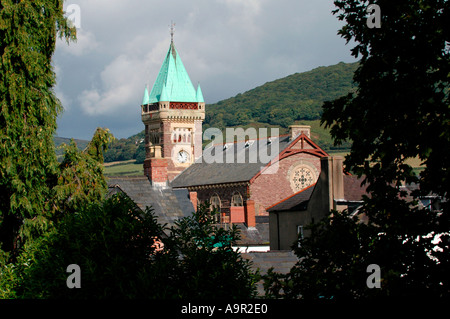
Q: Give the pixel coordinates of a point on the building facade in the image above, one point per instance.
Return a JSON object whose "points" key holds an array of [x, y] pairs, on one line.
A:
{"points": [[233, 178]]}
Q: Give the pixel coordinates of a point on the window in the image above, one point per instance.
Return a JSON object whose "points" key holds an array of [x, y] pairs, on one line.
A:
{"points": [[236, 199], [301, 177], [215, 207]]}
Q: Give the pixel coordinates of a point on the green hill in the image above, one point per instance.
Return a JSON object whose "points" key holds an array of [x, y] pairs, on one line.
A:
{"points": [[297, 98], [81, 144]]}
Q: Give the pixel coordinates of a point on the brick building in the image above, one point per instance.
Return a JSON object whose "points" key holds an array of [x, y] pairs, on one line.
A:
{"points": [[235, 178], [242, 189]]}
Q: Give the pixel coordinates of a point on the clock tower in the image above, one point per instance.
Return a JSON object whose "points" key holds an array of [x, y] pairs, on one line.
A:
{"points": [[172, 113]]}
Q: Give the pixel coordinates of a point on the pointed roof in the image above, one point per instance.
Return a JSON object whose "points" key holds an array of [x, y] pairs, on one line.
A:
{"points": [[173, 83], [145, 99], [199, 95]]}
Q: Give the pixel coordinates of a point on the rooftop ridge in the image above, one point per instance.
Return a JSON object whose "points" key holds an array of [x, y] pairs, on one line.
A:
{"points": [[285, 199], [253, 139]]}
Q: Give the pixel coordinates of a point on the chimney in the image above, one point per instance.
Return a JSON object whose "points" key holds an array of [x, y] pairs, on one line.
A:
{"points": [[333, 176], [194, 200], [296, 130], [250, 213]]}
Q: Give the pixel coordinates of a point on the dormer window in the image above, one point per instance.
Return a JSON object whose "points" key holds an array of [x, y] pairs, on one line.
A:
{"points": [[249, 143]]}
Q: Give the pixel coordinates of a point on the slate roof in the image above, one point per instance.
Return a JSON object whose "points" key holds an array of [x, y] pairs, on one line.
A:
{"points": [[168, 204], [297, 201], [353, 192], [231, 162], [254, 236]]}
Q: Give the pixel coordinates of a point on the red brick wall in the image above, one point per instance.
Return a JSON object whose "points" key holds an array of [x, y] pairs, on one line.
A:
{"points": [[193, 198], [237, 214], [250, 213], [268, 189], [166, 139], [157, 169]]}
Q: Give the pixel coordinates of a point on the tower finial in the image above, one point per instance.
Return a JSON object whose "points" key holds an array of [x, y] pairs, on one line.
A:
{"points": [[172, 30]]}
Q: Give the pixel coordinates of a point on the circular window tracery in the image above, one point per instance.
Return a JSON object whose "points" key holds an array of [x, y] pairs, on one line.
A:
{"points": [[301, 177]]}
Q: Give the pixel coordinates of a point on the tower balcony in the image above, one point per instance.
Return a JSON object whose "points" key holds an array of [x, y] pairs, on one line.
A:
{"points": [[174, 110]]}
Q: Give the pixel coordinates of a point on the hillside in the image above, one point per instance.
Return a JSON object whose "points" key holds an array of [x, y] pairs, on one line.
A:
{"points": [[297, 98], [81, 144]]}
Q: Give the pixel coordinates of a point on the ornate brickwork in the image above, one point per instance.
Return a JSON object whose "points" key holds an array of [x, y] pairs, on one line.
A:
{"points": [[183, 106]]}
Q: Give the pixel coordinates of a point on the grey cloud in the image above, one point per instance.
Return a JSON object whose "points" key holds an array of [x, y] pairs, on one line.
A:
{"points": [[229, 46]]}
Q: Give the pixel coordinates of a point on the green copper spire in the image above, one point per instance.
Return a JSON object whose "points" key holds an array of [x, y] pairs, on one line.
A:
{"points": [[146, 98], [199, 94], [173, 83], [164, 96]]}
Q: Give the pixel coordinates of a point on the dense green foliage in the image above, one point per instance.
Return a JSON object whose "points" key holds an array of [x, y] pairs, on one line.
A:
{"points": [[127, 149], [110, 241], [80, 179], [115, 245], [400, 110], [209, 267], [59, 141], [79, 182], [28, 166]]}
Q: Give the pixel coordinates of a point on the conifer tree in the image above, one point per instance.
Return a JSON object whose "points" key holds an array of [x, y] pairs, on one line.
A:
{"points": [[29, 107]]}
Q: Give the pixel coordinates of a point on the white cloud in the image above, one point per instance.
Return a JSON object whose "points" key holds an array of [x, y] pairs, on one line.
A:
{"points": [[85, 43], [121, 85]]}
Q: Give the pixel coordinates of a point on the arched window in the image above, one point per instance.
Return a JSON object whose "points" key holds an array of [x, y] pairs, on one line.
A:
{"points": [[215, 204], [236, 199]]}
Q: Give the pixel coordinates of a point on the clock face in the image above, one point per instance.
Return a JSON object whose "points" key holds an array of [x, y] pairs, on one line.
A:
{"points": [[183, 156]]}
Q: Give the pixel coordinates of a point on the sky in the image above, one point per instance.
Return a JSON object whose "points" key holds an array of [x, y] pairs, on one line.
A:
{"points": [[227, 46]]}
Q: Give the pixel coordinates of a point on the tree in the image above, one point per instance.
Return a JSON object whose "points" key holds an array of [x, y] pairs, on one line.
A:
{"points": [[399, 110], [28, 31], [207, 266], [124, 253], [111, 241], [80, 178], [330, 262]]}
